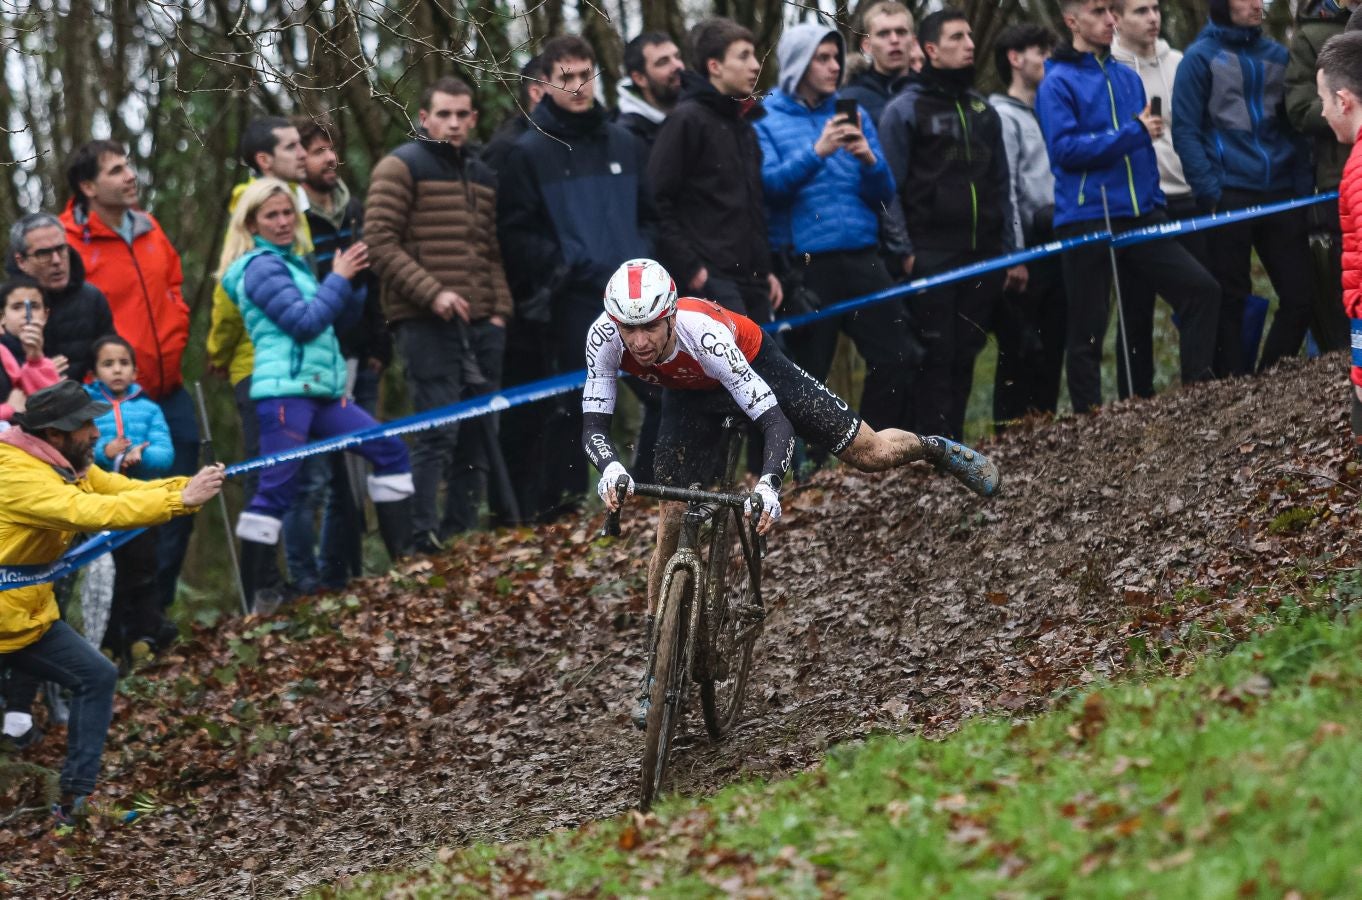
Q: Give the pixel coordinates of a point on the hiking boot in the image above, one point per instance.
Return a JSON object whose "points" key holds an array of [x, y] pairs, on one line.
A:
{"points": [[18, 743], [974, 470], [69, 814]]}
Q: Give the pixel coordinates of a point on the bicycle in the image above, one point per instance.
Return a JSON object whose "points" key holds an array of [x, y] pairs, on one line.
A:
{"points": [[710, 611]]}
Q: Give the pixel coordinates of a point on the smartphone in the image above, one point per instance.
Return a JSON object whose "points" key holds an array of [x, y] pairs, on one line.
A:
{"points": [[1156, 106], [846, 106], [28, 311]]}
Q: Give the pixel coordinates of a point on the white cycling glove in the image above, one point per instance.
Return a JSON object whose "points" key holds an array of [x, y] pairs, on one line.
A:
{"points": [[611, 475], [769, 493]]}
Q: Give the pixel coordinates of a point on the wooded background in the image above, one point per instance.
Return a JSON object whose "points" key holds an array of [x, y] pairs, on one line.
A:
{"points": [[177, 81]]}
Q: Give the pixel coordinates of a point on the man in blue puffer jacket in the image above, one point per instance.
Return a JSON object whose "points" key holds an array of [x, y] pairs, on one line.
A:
{"points": [[1238, 149], [826, 180], [1098, 131]]}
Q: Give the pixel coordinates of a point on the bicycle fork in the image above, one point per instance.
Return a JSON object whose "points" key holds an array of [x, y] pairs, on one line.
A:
{"points": [[686, 558]]}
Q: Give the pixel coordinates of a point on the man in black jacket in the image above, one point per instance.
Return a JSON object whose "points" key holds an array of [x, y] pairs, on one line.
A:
{"points": [[944, 143], [651, 85], [528, 94], [77, 311], [573, 206], [887, 40], [705, 171]]}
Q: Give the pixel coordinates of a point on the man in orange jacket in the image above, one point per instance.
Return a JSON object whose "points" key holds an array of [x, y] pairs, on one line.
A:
{"points": [[128, 256]]}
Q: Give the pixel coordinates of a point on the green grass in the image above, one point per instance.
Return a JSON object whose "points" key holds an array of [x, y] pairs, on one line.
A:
{"points": [[1242, 780]]}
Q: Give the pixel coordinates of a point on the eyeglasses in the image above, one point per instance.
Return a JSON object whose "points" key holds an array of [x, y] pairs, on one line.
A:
{"points": [[51, 254]]}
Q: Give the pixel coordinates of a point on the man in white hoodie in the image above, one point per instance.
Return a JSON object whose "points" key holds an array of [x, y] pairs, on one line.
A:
{"points": [[1139, 46], [651, 85]]}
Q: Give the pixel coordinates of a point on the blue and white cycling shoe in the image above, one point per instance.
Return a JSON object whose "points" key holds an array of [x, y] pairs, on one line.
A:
{"points": [[975, 470]]}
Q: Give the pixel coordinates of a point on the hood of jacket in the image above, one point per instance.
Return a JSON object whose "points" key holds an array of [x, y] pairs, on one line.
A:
{"points": [[631, 103], [1124, 54], [702, 91], [796, 49], [565, 124], [1231, 35]]}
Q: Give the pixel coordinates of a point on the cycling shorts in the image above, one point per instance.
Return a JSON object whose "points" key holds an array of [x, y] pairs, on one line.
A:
{"points": [[692, 421]]}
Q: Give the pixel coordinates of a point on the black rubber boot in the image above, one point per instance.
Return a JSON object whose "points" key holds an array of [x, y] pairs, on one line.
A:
{"points": [[260, 576], [394, 526]]}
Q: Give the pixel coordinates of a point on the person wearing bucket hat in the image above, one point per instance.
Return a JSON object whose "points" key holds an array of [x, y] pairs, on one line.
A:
{"points": [[50, 493]]}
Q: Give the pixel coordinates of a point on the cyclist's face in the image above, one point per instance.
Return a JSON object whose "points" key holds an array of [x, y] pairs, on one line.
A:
{"points": [[648, 344]]}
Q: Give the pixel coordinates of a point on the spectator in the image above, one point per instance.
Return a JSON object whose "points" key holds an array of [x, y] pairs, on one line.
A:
{"points": [[134, 440], [132, 261], [335, 219], [651, 85], [1099, 132], [1316, 22], [705, 170], [1339, 86], [299, 378], [887, 40], [1029, 324], [1139, 46], [528, 95], [1238, 150], [49, 480], [23, 367], [431, 223], [573, 205], [77, 312], [826, 181], [945, 147]]}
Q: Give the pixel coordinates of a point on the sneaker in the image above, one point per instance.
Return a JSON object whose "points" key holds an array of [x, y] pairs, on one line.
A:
{"points": [[975, 470], [426, 543], [18, 743], [69, 814]]}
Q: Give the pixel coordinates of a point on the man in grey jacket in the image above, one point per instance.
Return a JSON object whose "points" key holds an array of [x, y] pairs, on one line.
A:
{"points": [[1030, 323]]}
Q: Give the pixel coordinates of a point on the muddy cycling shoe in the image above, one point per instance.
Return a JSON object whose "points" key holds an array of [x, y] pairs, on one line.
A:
{"points": [[975, 470]]}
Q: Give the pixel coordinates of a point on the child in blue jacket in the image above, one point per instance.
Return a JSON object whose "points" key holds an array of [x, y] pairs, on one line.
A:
{"points": [[134, 440]]}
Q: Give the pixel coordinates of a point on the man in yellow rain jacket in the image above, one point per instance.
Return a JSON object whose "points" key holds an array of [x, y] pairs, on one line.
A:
{"points": [[49, 492]]}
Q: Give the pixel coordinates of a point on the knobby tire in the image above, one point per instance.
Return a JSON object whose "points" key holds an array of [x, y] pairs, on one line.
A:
{"points": [[667, 696]]}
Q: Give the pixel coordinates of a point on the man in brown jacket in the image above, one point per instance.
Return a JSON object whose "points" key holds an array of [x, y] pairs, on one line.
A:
{"points": [[431, 225]]}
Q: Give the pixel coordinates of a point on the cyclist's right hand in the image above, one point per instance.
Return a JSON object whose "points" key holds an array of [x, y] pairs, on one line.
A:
{"points": [[606, 486]]}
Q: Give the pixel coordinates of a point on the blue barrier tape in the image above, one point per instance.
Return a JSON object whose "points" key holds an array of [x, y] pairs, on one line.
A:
{"points": [[24, 576]]}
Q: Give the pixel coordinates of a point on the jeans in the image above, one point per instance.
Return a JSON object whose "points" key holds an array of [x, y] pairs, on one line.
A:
{"points": [[880, 333], [469, 467], [1284, 248], [952, 322], [173, 536], [63, 656], [1164, 267], [288, 422], [433, 351]]}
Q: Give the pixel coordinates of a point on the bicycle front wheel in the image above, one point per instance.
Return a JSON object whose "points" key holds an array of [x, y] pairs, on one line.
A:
{"points": [[734, 619], [667, 694]]}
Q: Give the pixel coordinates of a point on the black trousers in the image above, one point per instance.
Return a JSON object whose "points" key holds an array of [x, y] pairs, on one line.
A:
{"points": [[1138, 302], [952, 323], [1030, 330], [880, 333], [1328, 322], [1163, 267], [1283, 247]]}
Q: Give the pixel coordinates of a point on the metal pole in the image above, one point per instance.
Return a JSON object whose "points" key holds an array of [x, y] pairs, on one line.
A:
{"points": [[206, 448], [1120, 307]]}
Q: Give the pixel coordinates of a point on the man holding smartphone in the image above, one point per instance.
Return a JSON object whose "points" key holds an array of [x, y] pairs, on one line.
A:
{"points": [[945, 147], [825, 181]]}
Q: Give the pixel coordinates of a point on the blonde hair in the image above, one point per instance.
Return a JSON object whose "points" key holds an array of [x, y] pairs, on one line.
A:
{"points": [[240, 240]]}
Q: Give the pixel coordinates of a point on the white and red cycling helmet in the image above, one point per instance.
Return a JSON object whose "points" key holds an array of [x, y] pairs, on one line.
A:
{"points": [[639, 292]]}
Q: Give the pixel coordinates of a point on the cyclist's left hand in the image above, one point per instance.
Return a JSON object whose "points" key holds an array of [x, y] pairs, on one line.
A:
{"points": [[770, 503]]}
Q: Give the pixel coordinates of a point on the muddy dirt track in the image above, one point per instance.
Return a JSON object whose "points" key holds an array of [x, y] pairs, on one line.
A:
{"points": [[485, 696]]}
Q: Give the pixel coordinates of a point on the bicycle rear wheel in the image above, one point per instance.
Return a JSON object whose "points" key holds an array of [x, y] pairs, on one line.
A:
{"points": [[733, 622], [667, 696]]}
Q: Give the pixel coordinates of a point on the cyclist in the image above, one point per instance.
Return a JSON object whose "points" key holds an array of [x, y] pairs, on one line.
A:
{"points": [[712, 363]]}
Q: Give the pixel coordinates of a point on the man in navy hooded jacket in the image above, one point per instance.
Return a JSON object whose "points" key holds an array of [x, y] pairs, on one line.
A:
{"points": [[1098, 130], [1238, 149]]}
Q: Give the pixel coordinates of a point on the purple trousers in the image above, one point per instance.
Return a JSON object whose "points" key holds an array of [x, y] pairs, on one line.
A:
{"points": [[288, 422]]}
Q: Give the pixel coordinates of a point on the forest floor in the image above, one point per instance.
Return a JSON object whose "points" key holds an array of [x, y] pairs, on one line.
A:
{"points": [[484, 695]]}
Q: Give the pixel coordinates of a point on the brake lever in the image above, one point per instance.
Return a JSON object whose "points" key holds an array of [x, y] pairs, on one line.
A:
{"points": [[611, 528]]}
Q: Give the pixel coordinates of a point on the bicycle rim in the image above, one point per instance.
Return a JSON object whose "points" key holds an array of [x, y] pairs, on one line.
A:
{"points": [[667, 697], [732, 626]]}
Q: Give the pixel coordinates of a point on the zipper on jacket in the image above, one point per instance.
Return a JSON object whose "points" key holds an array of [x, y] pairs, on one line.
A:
{"points": [[973, 193], [151, 317], [1116, 124], [1253, 99]]}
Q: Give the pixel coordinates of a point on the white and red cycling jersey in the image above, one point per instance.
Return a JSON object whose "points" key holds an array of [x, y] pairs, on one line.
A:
{"points": [[714, 349]]}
